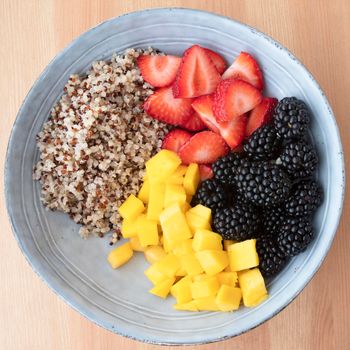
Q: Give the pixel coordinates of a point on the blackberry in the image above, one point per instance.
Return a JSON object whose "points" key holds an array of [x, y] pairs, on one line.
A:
{"points": [[295, 235], [239, 222], [263, 144], [291, 118], [212, 194], [272, 220], [306, 197], [225, 168], [263, 184], [271, 258], [299, 159]]}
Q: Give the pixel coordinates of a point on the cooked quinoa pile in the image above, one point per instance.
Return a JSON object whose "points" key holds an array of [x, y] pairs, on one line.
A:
{"points": [[94, 146]]}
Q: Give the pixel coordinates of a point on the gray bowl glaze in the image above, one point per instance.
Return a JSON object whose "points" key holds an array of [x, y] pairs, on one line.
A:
{"points": [[77, 270]]}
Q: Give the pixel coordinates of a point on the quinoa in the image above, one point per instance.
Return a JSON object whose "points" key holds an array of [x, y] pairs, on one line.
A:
{"points": [[94, 146]]}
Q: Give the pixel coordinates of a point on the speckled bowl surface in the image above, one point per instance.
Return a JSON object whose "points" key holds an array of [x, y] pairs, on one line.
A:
{"points": [[77, 270]]}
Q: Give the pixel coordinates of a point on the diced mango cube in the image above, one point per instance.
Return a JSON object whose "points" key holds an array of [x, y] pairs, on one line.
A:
{"points": [[227, 243], [212, 261], [191, 179], [131, 208], [135, 244], [206, 304], [129, 228], [202, 211], [183, 248], [205, 288], [174, 194], [228, 298], [156, 200], [196, 222], [162, 289], [147, 231], [162, 165], [206, 240], [178, 176], [181, 290], [253, 287], [181, 272], [243, 255], [154, 253], [174, 225], [120, 255], [144, 192], [185, 207], [154, 275], [201, 277], [228, 278], [191, 264], [190, 306], [168, 265]]}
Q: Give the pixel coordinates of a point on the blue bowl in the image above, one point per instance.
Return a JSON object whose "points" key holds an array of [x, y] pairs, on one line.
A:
{"points": [[77, 270]]}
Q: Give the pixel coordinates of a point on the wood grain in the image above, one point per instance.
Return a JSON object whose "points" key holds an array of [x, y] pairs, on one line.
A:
{"points": [[32, 32]]}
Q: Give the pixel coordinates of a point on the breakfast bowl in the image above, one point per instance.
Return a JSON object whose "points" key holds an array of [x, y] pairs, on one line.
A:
{"points": [[76, 269]]}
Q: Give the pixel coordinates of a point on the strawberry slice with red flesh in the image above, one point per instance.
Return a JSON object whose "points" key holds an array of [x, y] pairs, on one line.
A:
{"points": [[219, 62], [163, 106], [194, 123], [204, 147], [197, 74], [233, 98], [205, 172], [159, 71], [245, 68], [233, 132], [261, 114], [175, 139]]}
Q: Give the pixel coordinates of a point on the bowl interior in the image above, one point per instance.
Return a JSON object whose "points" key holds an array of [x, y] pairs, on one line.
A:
{"points": [[76, 269]]}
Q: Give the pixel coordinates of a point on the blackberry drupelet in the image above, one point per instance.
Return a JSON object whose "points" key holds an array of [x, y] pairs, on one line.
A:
{"points": [[291, 118], [263, 144], [212, 194], [272, 220], [299, 159], [295, 235], [271, 258], [305, 198], [239, 222], [225, 168], [262, 183]]}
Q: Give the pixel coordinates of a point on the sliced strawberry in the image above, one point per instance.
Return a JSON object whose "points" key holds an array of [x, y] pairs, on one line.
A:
{"points": [[204, 147], [233, 98], [194, 123], [261, 114], [197, 74], [245, 68], [175, 139], [158, 70], [163, 106], [232, 132], [205, 172], [219, 62]]}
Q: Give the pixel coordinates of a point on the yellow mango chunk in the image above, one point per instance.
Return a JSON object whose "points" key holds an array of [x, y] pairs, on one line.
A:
{"points": [[147, 231], [162, 289], [196, 222], [160, 167], [154, 275], [205, 288], [174, 194], [189, 197], [129, 228], [203, 212], [253, 287], [168, 265], [243, 255], [227, 243], [174, 225], [156, 200], [120, 255], [206, 240], [185, 207], [181, 290], [212, 261], [177, 177], [144, 192], [206, 304], [228, 298], [154, 253], [191, 264], [131, 208], [181, 272], [228, 278], [183, 248], [201, 277], [135, 244], [190, 306], [191, 179]]}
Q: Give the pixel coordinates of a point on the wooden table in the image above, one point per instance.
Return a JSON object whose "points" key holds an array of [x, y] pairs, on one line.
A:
{"points": [[32, 317]]}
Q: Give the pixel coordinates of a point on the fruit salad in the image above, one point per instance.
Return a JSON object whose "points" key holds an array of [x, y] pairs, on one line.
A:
{"points": [[230, 197]]}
